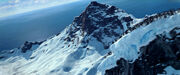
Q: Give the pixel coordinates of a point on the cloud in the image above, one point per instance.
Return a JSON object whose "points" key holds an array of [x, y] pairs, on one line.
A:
{"points": [[11, 7]]}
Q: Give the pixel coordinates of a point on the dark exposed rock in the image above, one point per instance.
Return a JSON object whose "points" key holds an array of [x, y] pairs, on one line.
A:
{"points": [[152, 18], [111, 10], [94, 3], [32, 57], [123, 68], [1, 57], [127, 19], [162, 52], [11, 51], [27, 46], [96, 10], [99, 21]]}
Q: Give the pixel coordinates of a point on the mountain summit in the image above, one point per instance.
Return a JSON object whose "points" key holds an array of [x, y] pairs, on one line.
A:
{"points": [[103, 40], [103, 22]]}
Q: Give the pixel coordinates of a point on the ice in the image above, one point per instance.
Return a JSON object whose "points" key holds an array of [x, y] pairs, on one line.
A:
{"points": [[128, 46], [171, 71]]}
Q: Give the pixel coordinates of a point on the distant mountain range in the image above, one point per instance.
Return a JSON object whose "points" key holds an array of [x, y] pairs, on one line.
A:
{"points": [[103, 40]]}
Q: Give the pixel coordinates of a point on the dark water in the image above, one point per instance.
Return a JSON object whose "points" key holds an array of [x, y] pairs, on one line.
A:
{"points": [[41, 24], [36, 25]]}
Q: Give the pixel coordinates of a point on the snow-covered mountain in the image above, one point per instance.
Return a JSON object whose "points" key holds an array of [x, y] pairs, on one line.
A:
{"points": [[102, 40]]}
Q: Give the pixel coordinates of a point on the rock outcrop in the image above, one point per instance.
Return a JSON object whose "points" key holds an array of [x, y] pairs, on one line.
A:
{"points": [[154, 58], [101, 21]]}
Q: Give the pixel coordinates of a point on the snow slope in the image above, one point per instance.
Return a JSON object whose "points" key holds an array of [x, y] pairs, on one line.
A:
{"points": [[89, 46], [128, 46], [171, 71]]}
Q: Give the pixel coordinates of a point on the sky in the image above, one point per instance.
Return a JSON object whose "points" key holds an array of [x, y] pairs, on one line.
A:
{"points": [[11, 7]]}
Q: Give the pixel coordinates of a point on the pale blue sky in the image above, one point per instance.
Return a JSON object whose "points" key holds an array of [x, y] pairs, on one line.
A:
{"points": [[11, 7]]}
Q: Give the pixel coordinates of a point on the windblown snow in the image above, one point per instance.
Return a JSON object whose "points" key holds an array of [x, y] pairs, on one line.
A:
{"points": [[57, 56]]}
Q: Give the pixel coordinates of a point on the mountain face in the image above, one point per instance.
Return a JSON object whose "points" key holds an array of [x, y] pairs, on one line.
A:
{"points": [[160, 53], [103, 40], [103, 22]]}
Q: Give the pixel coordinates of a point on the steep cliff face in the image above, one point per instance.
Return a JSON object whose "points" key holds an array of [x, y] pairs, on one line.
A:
{"points": [[160, 53], [102, 40], [155, 56], [128, 50], [103, 22]]}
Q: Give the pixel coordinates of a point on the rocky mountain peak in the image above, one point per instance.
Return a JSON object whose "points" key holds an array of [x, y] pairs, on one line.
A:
{"points": [[101, 21], [98, 15], [94, 6]]}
